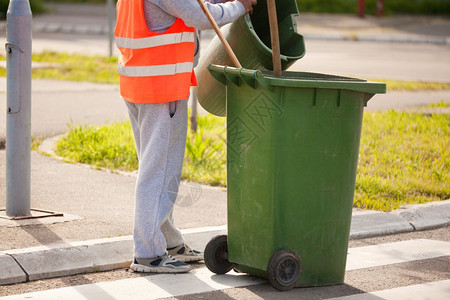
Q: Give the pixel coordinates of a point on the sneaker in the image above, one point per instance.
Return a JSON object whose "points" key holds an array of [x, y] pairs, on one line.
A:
{"points": [[160, 264], [184, 253]]}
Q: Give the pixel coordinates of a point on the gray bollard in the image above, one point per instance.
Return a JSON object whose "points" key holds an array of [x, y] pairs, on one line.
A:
{"points": [[18, 125]]}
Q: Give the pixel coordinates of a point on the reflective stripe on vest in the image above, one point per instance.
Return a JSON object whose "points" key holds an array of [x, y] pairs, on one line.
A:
{"points": [[142, 71], [155, 41], [153, 67]]}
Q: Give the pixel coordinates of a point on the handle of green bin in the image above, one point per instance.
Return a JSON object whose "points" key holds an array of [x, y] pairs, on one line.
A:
{"points": [[234, 75], [219, 34]]}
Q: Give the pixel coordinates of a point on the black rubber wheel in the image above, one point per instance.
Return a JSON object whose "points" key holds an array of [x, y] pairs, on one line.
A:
{"points": [[284, 270], [216, 255]]}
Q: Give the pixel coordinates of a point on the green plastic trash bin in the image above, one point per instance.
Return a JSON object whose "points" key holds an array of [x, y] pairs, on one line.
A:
{"points": [[249, 37], [292, 153]]}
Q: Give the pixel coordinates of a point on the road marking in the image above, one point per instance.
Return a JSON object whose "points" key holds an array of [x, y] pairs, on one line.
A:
{"points": [[148, 287], [433, 290], [393, 253], [202, 280]]}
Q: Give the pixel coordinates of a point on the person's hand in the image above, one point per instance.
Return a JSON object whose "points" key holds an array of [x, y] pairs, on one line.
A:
{"points": [[248, 5]]}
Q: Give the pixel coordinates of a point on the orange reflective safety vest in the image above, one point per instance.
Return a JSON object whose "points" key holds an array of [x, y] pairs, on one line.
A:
{"points": [[153, 67]]}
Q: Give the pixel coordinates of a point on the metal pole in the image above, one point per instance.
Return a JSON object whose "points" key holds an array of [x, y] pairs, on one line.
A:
{"points": [[193, 96], [380, 8], [111, 20], [18, 125], [193, 111], [361, 8]]}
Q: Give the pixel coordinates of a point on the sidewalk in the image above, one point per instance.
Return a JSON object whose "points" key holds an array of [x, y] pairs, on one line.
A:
{"points": [[95, 231]]}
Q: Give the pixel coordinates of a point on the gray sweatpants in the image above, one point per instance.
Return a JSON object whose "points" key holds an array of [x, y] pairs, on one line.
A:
{"points": [[160, 135]]}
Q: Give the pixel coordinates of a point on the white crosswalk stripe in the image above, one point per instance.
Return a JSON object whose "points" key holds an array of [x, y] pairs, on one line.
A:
{"points": [[393, 253], [202, 280], [148, 287], [439, 290]]}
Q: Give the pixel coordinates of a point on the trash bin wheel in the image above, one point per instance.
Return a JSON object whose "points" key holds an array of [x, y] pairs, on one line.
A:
{"points": [[284, 270], [216, 255]]}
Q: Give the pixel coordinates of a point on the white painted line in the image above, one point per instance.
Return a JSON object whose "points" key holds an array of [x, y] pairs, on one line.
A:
{"points": [[202, 280], [149, 287], [393, 253], [439, 290]]}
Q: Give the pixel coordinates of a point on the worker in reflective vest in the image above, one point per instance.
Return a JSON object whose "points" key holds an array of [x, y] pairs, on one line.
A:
{"points": [[156, 39]]}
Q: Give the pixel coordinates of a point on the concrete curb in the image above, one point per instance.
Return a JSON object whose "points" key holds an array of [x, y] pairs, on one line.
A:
{"points": [[408, 218], [44, 262], [11, 271], [63, 260], [426, 216], [373, 224], [30, 264]]}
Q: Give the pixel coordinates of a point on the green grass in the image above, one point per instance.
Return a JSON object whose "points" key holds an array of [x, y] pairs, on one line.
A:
{"points": [[73, 67], [404, 157], [397, 85], [205, 159], [441, 104], [37, 7], [109, 146], [79, 1]]}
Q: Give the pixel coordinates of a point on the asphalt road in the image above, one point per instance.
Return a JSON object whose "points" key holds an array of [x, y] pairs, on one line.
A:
{"points": [[401, 61]]}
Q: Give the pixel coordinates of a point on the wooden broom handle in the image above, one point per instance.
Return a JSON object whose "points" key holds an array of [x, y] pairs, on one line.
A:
{"points": [[274, 37], [219, 34]]}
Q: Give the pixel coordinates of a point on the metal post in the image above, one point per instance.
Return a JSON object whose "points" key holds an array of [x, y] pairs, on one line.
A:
{"points": [[361, 8], [110, 9], [193, 111], [380, 8], [193, 96], [18, 125]]}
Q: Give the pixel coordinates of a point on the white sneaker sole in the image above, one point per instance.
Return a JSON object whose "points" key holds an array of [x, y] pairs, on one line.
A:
{"points": [[159, 269], [188, 258]]}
